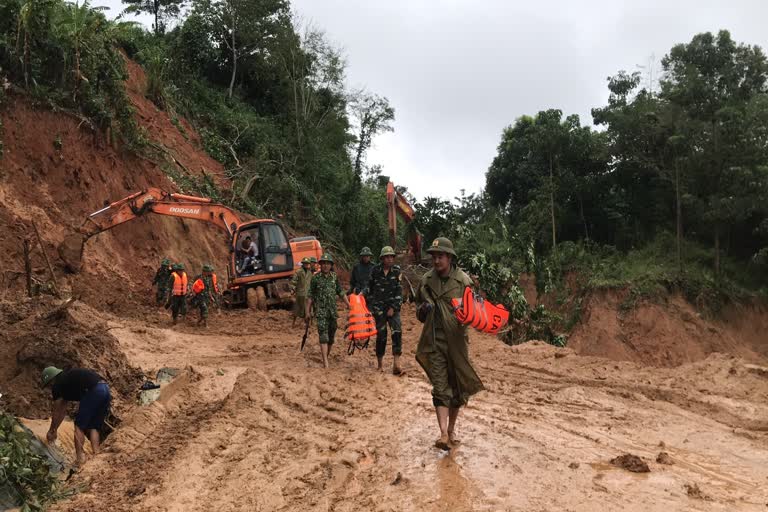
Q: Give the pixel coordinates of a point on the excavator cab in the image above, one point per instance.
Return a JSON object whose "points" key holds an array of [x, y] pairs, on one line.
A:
{"points": [[261, 265], [261, 247]]}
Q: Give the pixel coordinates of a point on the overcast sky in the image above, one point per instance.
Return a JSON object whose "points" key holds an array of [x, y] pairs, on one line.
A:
{"points": [[459, 71]]}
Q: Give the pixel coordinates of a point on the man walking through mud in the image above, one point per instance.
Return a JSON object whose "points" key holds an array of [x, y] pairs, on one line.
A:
{"points": [[442, 350], [179, 289], [323, 290], [86, 387], [163, 281], [384, 294], [300, 283]]}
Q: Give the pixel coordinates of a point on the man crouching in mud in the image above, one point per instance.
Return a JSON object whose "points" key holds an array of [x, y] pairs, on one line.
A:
{"points": [[442, 349], [86, 387]]}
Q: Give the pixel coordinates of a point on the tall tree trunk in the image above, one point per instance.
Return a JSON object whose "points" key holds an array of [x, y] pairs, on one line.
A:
{"points": [[679, 217], [552, 202], [583, 218], [234, 58], [359, 159], [26, 59], [157, 18], [717, 253]]}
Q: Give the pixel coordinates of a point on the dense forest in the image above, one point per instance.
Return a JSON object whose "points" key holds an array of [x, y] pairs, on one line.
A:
{"points": [[668, 189], [666, 186]]}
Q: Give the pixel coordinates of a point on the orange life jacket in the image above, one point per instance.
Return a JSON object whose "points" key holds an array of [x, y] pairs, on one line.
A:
{"points": [[180, 283], [198, 286], [215, 283], [472, 309], [361, 324]]}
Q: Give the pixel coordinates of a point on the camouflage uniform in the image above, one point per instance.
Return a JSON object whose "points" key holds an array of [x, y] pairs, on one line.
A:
{"points": [[178, 303], [384, 292], [323, 290], [163, 282], [300, 282], [209, 295]]}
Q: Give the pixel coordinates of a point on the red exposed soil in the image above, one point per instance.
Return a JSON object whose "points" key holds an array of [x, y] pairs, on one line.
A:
{"points": [[43, 333], [58, 188], [665, 334]]}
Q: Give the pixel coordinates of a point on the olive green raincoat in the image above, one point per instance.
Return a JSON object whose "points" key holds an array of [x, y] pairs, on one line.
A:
{"points": [[442, 349]]}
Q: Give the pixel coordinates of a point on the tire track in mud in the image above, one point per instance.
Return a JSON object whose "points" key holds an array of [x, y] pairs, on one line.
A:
{"points": [[276, 432]]}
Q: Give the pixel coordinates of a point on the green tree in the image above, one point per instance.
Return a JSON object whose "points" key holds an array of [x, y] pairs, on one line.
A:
{"points": [[160, 10], [245, 30], [373, 115], [713, 80]]}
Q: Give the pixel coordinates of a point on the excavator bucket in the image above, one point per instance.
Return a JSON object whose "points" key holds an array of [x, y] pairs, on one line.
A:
{"points": [[71, 252]]}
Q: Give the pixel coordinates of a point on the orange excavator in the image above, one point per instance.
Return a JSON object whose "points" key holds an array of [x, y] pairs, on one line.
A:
{"points": [[259, 269], [399, 205]]}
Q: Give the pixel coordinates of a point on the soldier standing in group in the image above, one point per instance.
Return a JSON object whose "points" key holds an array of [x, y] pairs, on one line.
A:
{"points": [[300, 284], [206, 292], [385, 296], [361, 273], [179, 288], [443, 346], [323, 290], [163, 281], [314, 266]]}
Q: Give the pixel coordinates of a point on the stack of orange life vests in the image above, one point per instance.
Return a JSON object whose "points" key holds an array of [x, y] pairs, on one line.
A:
{"points": [[361, 326], [472, 309]]}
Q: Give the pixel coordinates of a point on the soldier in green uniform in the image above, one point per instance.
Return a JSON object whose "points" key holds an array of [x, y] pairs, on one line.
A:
{"points": [[177, 300], [323, 290], [384, 295], [300, 284], [313, 265], [361, 273], [208, 295], [443, 346], [163, 281]]}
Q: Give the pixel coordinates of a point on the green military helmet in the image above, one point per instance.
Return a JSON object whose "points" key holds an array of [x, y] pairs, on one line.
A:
{"points": [[207, 267], [306, 261], [49, 374], [313, 260], [386, 251], [366, 251], [165, 262], [178, 266], [442, 244], [326, 257]]}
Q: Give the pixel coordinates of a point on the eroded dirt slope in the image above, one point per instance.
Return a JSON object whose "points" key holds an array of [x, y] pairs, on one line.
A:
{"points": [[55, 171]]}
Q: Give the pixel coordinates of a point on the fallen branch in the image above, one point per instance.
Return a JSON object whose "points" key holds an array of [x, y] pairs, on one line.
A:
{"points": [[47, 261]]}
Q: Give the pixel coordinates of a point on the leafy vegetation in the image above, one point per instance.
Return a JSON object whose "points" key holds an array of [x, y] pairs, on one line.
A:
{"points": [[665, 196], [65, 54], [25, 472]]}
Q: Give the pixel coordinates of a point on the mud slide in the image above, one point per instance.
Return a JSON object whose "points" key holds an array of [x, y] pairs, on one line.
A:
{"points": [[253, 424]]}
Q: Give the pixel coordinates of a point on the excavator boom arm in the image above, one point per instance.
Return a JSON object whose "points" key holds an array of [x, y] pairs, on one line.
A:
{"points": [[397, 204], [152, 200], [157, 201]]}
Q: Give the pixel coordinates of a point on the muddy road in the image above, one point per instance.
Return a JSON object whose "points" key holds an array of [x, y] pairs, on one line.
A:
{"points": [[253, 424]]}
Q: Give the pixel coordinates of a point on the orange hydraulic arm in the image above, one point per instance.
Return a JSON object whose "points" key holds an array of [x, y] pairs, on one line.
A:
{"points": [[397, 204], [154, 200]]}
